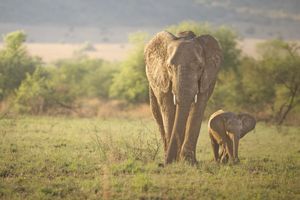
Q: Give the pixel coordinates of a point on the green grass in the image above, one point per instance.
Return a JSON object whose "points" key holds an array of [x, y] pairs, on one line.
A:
{"points": [[71, 158]]}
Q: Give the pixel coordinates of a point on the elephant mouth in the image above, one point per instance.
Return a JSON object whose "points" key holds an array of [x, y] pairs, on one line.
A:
{"points": [[195, 100]]}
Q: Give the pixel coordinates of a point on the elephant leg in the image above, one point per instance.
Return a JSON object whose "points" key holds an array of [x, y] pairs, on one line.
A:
{"points": [[188, 150], [224, 158], [163, 102], [228, 148], [222, 151], [168, 110], [224, 155], [158, 117], [215, 147]]}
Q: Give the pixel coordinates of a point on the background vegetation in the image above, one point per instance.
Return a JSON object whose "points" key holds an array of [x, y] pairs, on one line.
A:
{"points": [[267, 86]]}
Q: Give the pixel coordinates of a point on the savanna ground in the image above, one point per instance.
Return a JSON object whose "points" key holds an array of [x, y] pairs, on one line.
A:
{"points": [[118, 158]]}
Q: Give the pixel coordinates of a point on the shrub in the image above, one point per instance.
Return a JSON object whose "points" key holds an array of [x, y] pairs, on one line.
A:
{"points": [[130, 84], [34, 95]]}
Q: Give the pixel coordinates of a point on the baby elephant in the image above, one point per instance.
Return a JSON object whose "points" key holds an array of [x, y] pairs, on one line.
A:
{"points": [[225, 130]]}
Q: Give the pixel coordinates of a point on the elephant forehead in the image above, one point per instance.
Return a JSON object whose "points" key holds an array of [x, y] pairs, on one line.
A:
{"points": [[234, 121], [184, 52], [234, 125], [182, 46]]}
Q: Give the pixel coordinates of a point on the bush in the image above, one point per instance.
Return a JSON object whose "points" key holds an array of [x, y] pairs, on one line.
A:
{"points": [[84, 77], [34, 95], [130, 84], [61, 85]]}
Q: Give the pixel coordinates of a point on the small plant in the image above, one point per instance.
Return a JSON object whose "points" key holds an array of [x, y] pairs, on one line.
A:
{"points": [[142, 182], [128, 166], [143, 146]]}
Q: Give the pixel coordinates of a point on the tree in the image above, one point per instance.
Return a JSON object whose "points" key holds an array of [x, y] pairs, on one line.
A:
{"points": [[281, 60], [255, 93], [15, 63]]}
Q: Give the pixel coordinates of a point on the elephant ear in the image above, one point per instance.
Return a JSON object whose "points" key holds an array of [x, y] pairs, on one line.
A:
{"points": [[213, 58], [156, 58], [248, 123]]}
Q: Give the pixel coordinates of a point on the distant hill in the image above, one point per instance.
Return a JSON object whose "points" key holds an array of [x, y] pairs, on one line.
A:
{"points": [[112, 20]]}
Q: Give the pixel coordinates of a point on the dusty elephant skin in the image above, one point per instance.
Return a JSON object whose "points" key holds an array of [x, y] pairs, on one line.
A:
{"points": [[182, 72], [225, 130]]}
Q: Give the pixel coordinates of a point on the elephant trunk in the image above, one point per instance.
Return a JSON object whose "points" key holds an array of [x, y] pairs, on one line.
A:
{"points": [[185, 86], [235, 143], [178, 132]]}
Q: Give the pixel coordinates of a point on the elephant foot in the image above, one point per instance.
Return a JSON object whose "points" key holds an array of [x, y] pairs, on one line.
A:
{"points": [[236, 161], [188, 156], [224, 159]]}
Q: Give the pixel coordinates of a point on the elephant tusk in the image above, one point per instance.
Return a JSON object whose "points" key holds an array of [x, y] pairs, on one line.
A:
{"points": [[196, 98], [174, 99]]}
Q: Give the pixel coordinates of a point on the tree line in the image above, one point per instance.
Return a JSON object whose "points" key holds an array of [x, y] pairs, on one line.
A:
{"points": [[267, 86]]}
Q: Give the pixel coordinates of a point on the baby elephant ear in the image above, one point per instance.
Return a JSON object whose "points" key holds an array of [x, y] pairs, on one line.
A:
{"points": [[213, 58], [248, 123], [156, 57]]}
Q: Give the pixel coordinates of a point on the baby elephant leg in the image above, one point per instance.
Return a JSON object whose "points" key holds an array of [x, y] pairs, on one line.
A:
{"points": [[224, 155], [215, 147]]}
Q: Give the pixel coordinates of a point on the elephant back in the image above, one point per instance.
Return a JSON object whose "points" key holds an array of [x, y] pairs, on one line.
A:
{"points": [[215, 114]]}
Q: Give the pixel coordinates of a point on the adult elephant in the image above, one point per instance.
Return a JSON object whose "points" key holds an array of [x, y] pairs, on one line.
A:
{"points": [[182, 72]]}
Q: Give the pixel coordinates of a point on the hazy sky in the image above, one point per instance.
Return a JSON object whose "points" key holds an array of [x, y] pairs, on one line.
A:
{"points": [[112, 21]]}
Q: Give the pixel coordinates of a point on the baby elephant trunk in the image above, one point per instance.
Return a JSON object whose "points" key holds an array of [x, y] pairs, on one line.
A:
{"points": [[235, 146]]}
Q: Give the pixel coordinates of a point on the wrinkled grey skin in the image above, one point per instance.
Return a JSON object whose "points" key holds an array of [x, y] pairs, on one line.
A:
{"points": [[182, 72], [225, 130]]}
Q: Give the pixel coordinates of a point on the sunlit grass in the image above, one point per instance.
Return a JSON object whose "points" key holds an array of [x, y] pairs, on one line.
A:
{"points": [[117, 158]]}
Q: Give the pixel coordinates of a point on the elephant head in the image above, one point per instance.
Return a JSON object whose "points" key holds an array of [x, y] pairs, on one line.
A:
{"points": [[230, 128], [186, 67]]}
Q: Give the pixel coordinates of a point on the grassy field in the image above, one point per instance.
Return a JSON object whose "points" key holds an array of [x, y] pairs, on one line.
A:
{"points": [[117, 158]]}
